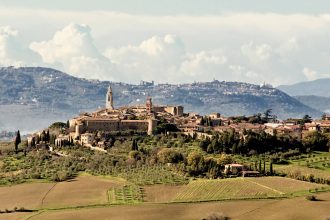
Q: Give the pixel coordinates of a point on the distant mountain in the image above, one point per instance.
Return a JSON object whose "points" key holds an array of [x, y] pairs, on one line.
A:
{"points": [[319, 87], [316, 102], [32, 98]]}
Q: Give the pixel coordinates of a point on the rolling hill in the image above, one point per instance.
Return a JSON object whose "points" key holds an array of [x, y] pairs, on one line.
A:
{"points": [[319, 87], [33, 97]]}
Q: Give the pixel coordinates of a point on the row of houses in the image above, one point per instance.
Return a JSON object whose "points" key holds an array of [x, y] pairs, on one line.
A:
{"points": [[222, 124]]}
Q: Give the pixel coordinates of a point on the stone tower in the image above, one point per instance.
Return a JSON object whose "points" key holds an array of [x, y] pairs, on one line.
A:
{"points": [[149, 105], [109, 99]]}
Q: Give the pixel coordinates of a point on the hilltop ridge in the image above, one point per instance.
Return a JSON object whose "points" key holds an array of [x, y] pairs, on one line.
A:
{"points": [[33, 97]]}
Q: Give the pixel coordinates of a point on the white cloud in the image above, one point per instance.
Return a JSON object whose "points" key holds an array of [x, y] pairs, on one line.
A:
{"points": [[72, 49], [256, 47], [203, 65], [12, 52], [310, 74], [156, 56], [256, 53]]}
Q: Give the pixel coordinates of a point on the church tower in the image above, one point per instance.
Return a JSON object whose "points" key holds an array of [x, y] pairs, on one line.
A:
{"points": [[109, 99], [149, 105]]}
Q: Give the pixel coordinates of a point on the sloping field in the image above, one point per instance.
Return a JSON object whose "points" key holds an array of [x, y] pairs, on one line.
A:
{"points": [[240, 188], [293, 170], [284, 209], [208, 190], [191, 211], [291, 209], [286, 185], [83, 190], [27, 195], [162, 193]]}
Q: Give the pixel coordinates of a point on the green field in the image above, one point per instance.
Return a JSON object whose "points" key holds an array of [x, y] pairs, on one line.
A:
{"points": [[128, 194], [243, 188], [87, 193], [317, 160], [149, 175]]}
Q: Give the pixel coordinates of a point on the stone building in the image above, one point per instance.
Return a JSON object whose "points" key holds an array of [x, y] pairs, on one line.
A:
{"points": [[109, 99], [87, 138], [136, 118], [149, 105]]}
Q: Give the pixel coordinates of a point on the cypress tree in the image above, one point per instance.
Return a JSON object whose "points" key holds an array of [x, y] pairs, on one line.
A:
{"points": [[271, 168], [47, 136], [33, 142], [264, 170], [136, 145], [17, 141]]}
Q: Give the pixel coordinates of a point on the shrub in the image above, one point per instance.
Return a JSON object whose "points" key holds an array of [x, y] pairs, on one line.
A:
{"points": [[167, 155], [216, 216], [134, 154], [62, 175], [311, 198]]}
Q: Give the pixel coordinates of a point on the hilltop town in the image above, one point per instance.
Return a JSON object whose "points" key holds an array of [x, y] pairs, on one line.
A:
{"points": [[150, 118], [44, 95]]}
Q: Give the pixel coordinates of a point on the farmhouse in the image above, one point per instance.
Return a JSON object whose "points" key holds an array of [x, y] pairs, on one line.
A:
{"points": [[233, 168]]}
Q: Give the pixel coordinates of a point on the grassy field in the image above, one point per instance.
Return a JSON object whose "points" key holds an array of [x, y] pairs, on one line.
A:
{"points": [[284, 209], [127, 194], [162, 193], [296, 170], [84, 190], [288, 186], [81, 191], [96, 196], [149, 175], [317, 160], [241, 188], [28, 195]]}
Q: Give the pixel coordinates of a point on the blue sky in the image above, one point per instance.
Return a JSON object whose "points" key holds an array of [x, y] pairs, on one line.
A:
{"points": [[277, 42]]}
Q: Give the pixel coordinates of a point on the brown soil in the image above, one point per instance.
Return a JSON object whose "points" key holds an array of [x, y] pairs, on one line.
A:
{"points": [[286, 209], [161, 193], [27, 195], [83, 190]]}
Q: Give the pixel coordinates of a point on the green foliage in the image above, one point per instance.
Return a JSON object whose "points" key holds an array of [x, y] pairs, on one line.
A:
{"points": [[59, 125], [316, 141], [165, 127], [134, 154], [128, 194], [149, 175], [168, 155]]}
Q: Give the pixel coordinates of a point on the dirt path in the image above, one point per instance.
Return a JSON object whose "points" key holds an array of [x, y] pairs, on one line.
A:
{"points": [[262, 206], [267, 187], [44, 197]]}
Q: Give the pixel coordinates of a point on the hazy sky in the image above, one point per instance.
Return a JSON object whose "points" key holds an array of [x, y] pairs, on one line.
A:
{"points": [[277, 42]]}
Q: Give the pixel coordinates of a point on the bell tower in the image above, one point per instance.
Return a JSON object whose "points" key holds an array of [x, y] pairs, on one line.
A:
{"points": [[149, 105], [109, 99]]}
